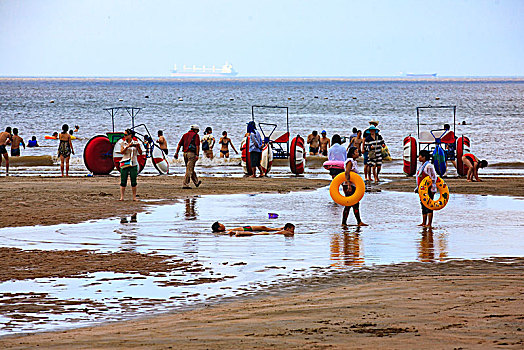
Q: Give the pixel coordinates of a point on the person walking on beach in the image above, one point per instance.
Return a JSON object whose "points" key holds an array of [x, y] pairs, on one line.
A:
{"points": [[162, 142], [357, 141], [426, 169], [324, 143], [65, 148], [224, 145], [190, 144], [15, 144], [349, 188], [208, 142], [473, 164], [130, 150], [373, 144], [337, 152], [5, 139], [255, 148], [314, 142]]}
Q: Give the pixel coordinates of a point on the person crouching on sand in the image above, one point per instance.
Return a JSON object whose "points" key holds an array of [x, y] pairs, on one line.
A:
{"points": [[473, 164], [349, 188], [426, 169], [251, 230]]}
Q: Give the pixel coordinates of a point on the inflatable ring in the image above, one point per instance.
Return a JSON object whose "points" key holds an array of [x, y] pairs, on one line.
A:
{"points": [[429, 203], [355, 197]]}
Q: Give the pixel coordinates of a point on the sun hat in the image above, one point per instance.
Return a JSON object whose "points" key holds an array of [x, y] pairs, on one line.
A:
{"points": [[373, 127], [375, 122], [195, 127]]}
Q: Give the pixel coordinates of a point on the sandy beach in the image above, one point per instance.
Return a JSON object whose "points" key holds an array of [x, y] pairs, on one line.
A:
{"points": [[457, 304]]}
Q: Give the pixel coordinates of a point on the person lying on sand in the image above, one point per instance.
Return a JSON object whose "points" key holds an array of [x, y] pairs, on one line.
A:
{"points": [[250, 230]]}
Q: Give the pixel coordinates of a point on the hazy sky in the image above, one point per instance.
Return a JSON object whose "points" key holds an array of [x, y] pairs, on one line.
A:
{"points": [[262, 38]]}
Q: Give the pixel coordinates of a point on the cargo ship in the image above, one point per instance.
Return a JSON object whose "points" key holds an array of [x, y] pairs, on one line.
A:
{"points": [[422, 75], [226, 71]]}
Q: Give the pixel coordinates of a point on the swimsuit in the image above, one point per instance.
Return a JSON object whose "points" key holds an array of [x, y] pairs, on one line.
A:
{"points": [[64, 149], [224, 152], [3, 150], [247, 228], [15, 152], [313, 149]]}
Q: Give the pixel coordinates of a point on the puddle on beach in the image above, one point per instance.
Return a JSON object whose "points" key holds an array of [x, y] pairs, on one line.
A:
{"points": [[470, 227]]}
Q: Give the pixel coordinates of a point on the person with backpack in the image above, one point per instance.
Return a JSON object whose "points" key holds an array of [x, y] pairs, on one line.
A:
{"points": [[190, 144], [208, 141]]}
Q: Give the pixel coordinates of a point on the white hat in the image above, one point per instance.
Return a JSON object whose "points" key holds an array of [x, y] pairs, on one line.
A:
{"points": [[195, 127]]}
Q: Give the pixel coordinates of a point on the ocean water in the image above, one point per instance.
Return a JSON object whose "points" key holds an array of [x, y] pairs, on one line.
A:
{"points": [[493, 109]]}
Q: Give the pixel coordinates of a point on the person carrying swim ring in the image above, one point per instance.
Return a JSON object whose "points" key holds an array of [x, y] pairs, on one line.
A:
{"points": [[349, 188], [426, 169], [473, 164]]}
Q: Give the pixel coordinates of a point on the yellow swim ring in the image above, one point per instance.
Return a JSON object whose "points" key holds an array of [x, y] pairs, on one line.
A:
{"points": [[339, 198], [429, 203]]}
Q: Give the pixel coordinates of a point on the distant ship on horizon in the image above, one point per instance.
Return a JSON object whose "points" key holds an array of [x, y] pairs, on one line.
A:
{"points": [[421, 75], [226, 71]]}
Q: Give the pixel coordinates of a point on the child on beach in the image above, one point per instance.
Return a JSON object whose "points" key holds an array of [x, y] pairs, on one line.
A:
{"points": [[349, 188], [426, 169], [250, 230]]}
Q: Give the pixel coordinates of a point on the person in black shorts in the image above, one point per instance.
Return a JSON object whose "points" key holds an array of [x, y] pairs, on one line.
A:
{"points": [[5, 139]]}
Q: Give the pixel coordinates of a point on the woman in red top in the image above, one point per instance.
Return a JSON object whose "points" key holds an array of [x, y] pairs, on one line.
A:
{"points": [[473, 164]]}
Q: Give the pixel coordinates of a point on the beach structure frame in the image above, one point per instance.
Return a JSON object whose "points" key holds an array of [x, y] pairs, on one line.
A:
{"points": [[279, 151], [101, 148], [431, 141]]}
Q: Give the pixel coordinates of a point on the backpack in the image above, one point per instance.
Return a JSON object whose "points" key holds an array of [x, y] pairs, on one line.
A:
{"points": [[205, 145]]}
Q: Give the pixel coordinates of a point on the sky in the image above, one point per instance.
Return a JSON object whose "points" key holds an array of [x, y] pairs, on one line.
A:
{"points": [[262, 38]]}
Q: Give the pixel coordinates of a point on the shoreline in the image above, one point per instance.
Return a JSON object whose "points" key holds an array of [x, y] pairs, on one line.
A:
{"points": [[40, 200]]}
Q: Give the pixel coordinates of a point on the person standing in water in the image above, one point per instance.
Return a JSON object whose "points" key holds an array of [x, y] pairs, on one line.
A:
{"points": [[65, 149], [33, 142], [425, 170], [255, 148], [224, 145], [473, 164], [15, 144], [337, 152], [5, 139], [374, 144], [130, 150], [349, 188], [162, 142], [208, 142], [314, 142], [324, 143]]}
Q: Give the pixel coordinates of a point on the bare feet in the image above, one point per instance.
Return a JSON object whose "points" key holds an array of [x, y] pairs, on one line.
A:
{"points": [[422, 224], [121, 199], [362, 224]]}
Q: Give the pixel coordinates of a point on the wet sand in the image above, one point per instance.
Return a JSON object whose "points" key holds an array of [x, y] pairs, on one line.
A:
{"points": [[54, 200], [498, 186], [458, 304], [469, 304]]}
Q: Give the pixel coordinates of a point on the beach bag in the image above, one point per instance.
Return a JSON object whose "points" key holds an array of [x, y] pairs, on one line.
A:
{"points": [[371, 154], [192, 146], [385, 154], [205, 145], [125, 164]]}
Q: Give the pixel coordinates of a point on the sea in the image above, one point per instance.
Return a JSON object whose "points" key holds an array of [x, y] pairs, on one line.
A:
{"points": [[492, 109]]}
